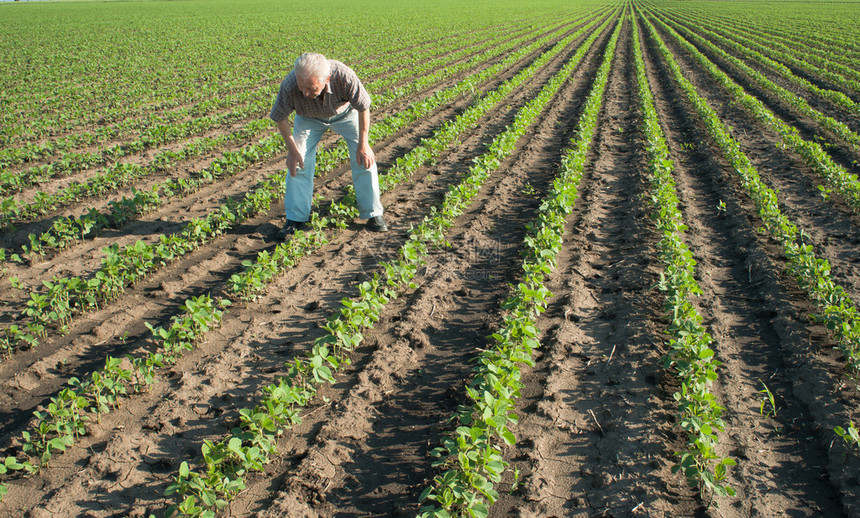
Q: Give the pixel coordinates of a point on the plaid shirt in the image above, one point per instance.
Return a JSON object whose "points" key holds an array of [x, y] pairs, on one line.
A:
{"points": [[343, 88]]}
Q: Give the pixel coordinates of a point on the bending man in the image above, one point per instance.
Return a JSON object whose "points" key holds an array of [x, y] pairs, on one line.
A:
{"points": [[325, 94]]}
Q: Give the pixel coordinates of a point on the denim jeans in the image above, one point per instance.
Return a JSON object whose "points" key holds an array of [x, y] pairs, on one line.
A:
{"points": [[307, 132]]}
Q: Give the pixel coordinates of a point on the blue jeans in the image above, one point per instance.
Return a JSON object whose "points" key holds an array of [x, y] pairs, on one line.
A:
{"points": [[307, 132]]}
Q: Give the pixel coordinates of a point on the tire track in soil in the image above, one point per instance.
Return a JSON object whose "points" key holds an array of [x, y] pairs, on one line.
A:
{"points": [[595, 437], [130, 469], [36, 374], [372, 456], [785, 463], [830, 225]]}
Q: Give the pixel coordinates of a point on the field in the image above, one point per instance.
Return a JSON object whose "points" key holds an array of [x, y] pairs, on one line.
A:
{"points": [[621, 277]]}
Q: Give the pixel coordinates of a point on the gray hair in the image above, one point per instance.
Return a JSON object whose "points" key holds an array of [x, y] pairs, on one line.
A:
{"points": [[312, 65]]}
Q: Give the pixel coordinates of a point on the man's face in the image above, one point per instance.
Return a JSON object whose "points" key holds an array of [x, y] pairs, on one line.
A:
{"points": [[311, 87]]}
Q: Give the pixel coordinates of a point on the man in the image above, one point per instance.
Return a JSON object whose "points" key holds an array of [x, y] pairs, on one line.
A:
{"points": [[325, 94]]}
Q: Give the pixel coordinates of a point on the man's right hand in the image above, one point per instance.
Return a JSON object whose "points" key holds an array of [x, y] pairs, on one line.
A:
{"points": [[294, 162]]}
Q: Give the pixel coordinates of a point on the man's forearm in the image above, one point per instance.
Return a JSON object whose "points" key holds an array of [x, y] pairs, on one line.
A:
{"points": [[364, 126], [287, 135]]}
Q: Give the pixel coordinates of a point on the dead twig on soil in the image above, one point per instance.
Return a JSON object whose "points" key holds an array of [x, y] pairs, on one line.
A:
{"points": [[595, 422], [610, 358]]}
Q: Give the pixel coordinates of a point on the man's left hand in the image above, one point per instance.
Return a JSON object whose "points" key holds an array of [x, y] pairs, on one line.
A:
{"points": [[365, 157]]}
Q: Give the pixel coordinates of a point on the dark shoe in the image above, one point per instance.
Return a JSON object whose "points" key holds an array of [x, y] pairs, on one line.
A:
{"points": [[290, 229], [376, 224]]}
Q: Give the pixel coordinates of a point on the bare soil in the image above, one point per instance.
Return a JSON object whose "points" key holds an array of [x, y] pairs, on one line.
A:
{"points": [[597, 434]]}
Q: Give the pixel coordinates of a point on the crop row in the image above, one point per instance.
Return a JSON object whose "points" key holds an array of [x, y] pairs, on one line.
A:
{"points": [[690, 356], [836, 177], [165, 77], [791, 56], [472, 458], [835, 309], [66, 296], [251, 283], [796, 102], [838, 49], [65, 230], [755, 51], [167, 129], [153, 137], [150, 131], [186, 330], [157, 127], [120, 174], [249, 447], [810, 35], [822, 36]]}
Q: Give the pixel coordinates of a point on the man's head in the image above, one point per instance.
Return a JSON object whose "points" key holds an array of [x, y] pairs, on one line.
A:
{"points": [[312, 73]]}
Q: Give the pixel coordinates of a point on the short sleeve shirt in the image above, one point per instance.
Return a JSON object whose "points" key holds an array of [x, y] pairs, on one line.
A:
{"points": [[344, 88]]}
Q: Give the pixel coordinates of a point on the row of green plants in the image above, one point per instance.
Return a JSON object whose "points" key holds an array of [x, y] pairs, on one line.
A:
{"points": [[114, 96], [841, 46], [809, 61], [836, 311], [799, 104], [459, 55], [817, 46], [472, 458], [431, 147], [52, 131], [249, 447], [148, 132], [123, 130], [48, 98], [67, 296], [123, 267], [466, 86], [150, 138], [829, 67], [51, 432], [47, 133], [691, 356], [67, 417], [836, 177], [75, 153], [252, 282], [13, 211], [826, 38], [67, 230], [754, 51], [198, 317]]}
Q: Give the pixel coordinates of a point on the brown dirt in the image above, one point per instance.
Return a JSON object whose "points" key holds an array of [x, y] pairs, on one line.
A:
{"points": [[757, 318], [597, 435]]}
